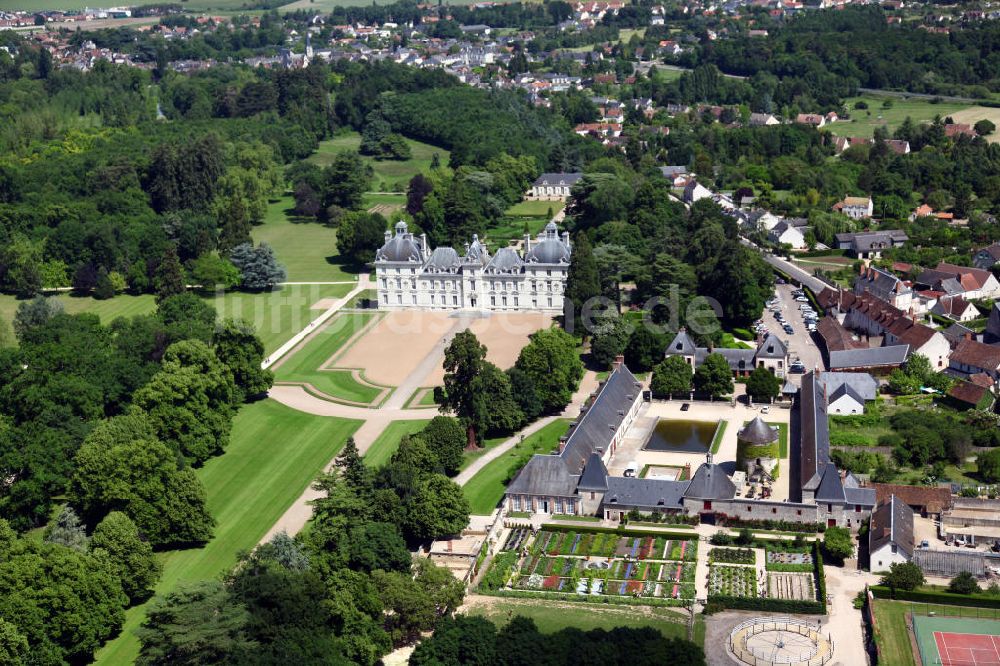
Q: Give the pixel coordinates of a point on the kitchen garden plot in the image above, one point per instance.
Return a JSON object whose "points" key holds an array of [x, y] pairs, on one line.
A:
{"points": [[584, 562]]}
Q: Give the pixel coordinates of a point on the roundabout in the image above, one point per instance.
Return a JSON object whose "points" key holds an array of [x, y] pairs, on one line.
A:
{"points": [[766, 641]]}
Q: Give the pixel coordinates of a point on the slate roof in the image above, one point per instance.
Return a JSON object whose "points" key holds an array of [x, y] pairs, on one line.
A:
{"points": [[831, 488], [864, 384], [875, 357], [710, 482], [673, 171], [506, 260], [544, 475], [956, 332], [846, 389], [738, 359], [757, 432], [601, 419], [814, 427], [553, 179], [681, 345], [443, 260], [862, 496], [772, 347], [865, 240], [476, 251], [645, 493], [595, 474], [401, 247], [892, 523], [548, 251]]}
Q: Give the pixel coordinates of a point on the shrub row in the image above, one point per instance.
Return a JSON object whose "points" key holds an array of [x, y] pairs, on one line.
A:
{"points": [[932, 597], [720, 602], [767, 524], [593, 598], [820, 575], [498, 572], [683, 536]]}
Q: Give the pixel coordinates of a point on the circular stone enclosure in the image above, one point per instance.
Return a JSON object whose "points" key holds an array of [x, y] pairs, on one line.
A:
{"points": [[765, 641]]}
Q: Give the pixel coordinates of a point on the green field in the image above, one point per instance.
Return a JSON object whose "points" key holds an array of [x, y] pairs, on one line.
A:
{"points": [[550, 618], [274, 454], [304, 365], [307, 248], [891, 635], [535, 208], [277, 315], [782, 438], [386, 444], [390, 175], [864, 121], [68, 5], [486, 488]]}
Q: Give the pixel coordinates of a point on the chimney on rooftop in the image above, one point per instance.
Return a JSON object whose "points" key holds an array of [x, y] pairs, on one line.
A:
{"points": [[619, 361]]}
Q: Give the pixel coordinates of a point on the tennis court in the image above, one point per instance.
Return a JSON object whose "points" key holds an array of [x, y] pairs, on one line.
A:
{"points": [[952, 641]]}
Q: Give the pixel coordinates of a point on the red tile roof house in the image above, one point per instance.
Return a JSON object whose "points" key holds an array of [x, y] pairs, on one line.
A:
{"points": [[971, 358], [814, 119], [957, 129], [955, 308], [972, 283], [971, 396]]}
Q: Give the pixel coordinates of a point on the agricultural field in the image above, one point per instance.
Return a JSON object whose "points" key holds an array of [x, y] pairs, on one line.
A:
{"points": [[596, 563], [274, 454], [485, 490], [312, 364], [386, 444], [307, 248], [864, 121], [390, 175], [69, 5]]}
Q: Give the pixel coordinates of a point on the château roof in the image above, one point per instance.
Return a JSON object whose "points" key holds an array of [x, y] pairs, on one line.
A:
{"points": [[757, 432], [401, 247], [506, 260], [710, 482], [595, 474]]}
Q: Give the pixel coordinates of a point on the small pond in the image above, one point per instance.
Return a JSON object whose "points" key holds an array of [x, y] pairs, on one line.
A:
{"points": [[683, 436]]}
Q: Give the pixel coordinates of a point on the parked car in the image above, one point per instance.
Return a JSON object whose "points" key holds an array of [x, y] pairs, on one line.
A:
{"points": [[801, 299], [765, 410], [789, 330], [686, 406], [797, 368]]}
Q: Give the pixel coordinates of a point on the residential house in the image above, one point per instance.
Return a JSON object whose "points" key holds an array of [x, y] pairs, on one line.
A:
{"points": [[955, 308], [923, 210], [677, 175], [771, 353], [890, 537], [987, 257], [856, 208], [881, 360], [869, 244], [971, 357], [695, 191], [845, 400], [785, 232], [814, 119], [885, 286], [861, 383], [971, 283], [953, 130], [554, 185], [898, 146], [971, 395], [763, 119]]}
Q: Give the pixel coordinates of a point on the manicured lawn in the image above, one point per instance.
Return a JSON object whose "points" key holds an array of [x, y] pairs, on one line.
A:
{"points": [[304, 365], [864, 121], [550, 618], [510, 228], [891, 634], [307, 248], [719, 432], [486, 488], [277, 315], [390, 175], [382, 448], [535, 208], [274, 454]]}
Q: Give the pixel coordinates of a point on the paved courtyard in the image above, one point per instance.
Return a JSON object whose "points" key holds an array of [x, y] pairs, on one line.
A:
{"points": [[735, 416]]}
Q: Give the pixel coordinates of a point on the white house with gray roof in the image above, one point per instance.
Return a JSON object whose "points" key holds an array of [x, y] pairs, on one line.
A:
{"points": [[554, 185], [771, 353], [409, 275]]}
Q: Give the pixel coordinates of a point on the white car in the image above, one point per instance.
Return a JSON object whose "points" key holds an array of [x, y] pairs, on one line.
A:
{"points": [[801, 299], [765, 410]]}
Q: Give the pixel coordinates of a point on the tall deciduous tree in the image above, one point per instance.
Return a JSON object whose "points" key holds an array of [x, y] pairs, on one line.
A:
{"points": [[762, 385], [551, 360], [672, 375], [464, 359], [610, 337], [446, 439], [117, 543], [122, 466], [238, 348], [360, 235], [169, 279], [714, 376]]}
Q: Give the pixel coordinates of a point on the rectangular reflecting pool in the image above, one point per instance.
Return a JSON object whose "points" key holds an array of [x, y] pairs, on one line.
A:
{"points": [[683, 436]]}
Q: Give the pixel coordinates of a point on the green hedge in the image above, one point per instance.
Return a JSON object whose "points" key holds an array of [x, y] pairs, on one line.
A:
{"points": [[743, 334], [820, 575], [593, 598], [932, 597], [621, 532], [768, 605]]}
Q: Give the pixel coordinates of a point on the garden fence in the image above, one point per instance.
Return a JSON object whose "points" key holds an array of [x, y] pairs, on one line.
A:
{"points": [[739, 635]]}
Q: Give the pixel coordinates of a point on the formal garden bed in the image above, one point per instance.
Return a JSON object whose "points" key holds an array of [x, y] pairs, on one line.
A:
{"points": [[789, 557], [732, 556], [732, 581], [795, 586], [585, 564]]}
